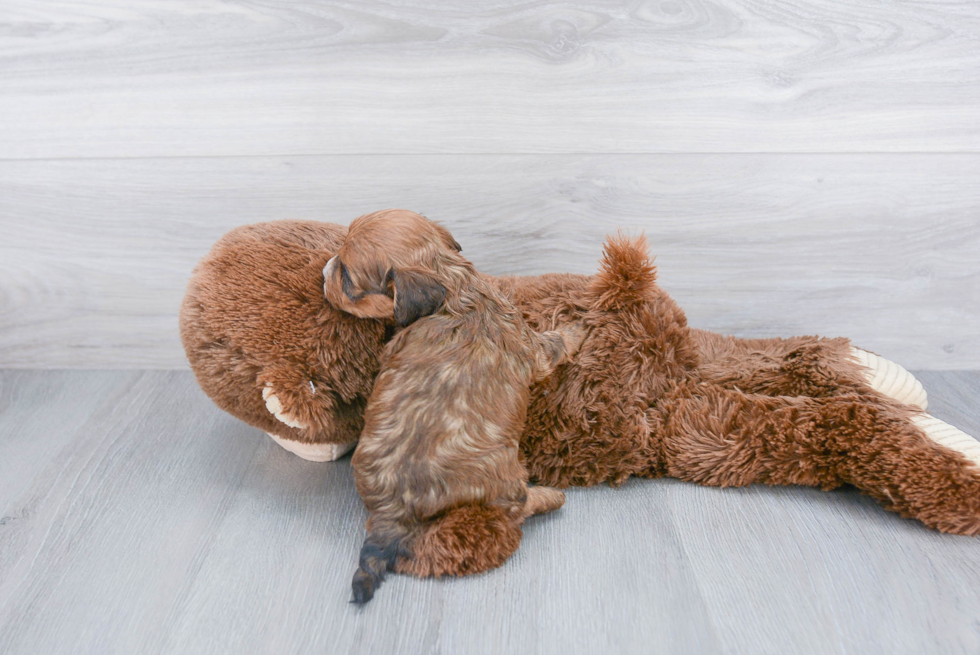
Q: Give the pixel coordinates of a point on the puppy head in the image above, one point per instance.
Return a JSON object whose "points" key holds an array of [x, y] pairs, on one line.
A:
{"points": [[393, 264]]}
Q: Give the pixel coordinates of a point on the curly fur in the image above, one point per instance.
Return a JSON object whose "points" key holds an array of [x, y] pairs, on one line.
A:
{"points": [[437, 463]]}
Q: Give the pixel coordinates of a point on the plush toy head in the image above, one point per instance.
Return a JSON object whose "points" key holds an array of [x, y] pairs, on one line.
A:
{"points": [[260, 336]]}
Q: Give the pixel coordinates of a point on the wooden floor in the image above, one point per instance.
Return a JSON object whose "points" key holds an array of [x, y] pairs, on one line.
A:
{"points": [[138, 518]]}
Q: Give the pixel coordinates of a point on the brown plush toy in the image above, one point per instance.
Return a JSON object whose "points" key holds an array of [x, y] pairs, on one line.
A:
{"points": [[646, 395]]}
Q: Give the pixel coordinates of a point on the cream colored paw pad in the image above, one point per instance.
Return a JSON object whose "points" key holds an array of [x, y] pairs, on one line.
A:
{"points": [[951, 437], [275, 408], [890, 379], [314, 452]]}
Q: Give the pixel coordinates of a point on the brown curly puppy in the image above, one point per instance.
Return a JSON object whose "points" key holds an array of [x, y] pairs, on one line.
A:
{"points": [[437, 464]]}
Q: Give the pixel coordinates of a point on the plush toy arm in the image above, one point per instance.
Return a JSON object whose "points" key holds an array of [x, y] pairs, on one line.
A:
{"points": [[312, 421], [803, 366], [275, 407], [313, 452]]}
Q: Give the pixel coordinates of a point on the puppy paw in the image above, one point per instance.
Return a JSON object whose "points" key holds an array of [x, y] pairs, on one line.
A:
{"points": [[573, 335], [273, 404], [541, 500], [890, 379], [315, 452]]}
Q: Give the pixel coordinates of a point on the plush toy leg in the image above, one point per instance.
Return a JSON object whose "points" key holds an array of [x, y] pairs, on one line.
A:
{"points": [[948, 436], [315, 452], [890, 379], [913, 464], [922, 468]]}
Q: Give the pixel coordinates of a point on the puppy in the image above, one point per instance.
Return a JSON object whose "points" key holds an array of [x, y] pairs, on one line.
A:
{"points": [[437, 463]]}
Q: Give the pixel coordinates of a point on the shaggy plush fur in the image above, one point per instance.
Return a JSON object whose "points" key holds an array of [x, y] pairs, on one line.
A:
{"points": [[254, 318], [646, 395], [437, 463]]}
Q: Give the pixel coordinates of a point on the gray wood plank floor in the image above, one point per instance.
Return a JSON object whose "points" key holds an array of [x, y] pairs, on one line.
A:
{"points": [[135, 517], [881, 248]]}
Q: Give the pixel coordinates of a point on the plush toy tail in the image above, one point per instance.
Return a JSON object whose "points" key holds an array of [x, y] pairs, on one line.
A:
{"points": [[378, 556], [626, 274]]}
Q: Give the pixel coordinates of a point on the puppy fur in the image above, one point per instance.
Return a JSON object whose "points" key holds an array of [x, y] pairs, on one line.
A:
{"points": [[437, 463]]}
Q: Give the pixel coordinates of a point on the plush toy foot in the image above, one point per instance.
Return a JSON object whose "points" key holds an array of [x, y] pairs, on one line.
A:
{"points": [[951, 437], [314, 452], [275, 408], [890, 379]]}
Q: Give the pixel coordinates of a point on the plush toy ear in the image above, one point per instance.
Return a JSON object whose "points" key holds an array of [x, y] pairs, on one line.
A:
{"points": [[417, 294]]}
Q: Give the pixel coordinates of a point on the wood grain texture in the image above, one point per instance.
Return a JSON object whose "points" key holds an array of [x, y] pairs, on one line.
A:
{"points": [[99, 78], [162, 525], [95, 254]]}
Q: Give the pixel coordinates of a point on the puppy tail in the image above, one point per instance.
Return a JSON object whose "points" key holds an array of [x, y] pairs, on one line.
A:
{"points": [[627, 276], [378, 556]]}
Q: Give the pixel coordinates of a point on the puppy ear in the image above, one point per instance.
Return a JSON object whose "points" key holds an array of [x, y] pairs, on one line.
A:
{"points": [[417, 294], [447, 238]]}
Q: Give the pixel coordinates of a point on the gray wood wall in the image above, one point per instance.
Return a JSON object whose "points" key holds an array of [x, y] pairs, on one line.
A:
{"points": [[800, 166]]}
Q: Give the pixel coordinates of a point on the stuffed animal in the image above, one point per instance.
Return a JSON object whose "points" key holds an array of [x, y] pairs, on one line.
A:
{"points": [[646, 394]]}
